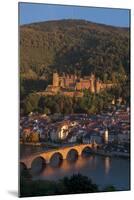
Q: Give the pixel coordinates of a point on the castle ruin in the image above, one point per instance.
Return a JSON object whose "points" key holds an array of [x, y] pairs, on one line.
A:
{"points": [[72, 85]]}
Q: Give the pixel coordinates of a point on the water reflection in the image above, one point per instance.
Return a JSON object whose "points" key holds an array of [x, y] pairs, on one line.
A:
{"points": [[75, 166], [94, 162], [49, 171], [102, 170], [38, 165], [107, 164]]}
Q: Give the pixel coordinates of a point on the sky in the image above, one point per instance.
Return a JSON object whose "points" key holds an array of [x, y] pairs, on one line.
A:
{"points": [[35, 12]]}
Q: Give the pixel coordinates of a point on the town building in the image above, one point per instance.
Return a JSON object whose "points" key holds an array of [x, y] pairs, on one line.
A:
{"points": [[106, 135], [60, 131]]}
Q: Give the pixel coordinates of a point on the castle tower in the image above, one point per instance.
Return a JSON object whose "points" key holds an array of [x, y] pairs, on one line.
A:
{"points": [[92, 80], [55, 79], [62, 82]]}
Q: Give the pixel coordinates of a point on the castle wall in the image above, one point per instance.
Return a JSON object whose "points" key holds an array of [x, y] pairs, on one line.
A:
{"points": [[106, 85], [98, 86], [51, 88], [71, 82], [62, 82], [85, 84], [73, 94], [78, 86]]}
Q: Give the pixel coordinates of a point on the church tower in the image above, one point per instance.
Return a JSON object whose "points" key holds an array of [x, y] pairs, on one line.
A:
{"points": [[106, 136]]}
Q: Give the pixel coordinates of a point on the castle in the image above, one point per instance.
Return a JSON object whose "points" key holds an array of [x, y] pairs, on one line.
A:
{"points": [[72, 85]]}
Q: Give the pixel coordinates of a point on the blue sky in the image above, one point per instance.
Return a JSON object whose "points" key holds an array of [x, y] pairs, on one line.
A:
{"points": [[31, 12]]}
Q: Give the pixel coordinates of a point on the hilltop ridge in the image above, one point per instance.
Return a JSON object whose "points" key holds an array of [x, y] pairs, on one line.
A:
{"points": [[73, 47]]}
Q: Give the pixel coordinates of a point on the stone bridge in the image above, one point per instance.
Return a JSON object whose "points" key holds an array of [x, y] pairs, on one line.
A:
{"points": [[61, 154]]}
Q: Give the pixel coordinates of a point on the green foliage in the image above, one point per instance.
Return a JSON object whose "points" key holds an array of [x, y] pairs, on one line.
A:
{"points": [[93, 103], [109, 188], [46, 111], [73, 46], [55, 104], [30, 103], [78, 183], [22, 89], [75, 184], [28, 86], [89, 103]]}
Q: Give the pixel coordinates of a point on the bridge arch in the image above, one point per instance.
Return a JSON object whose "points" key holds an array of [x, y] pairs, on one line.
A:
{"points": [[56, 159], [61, 154], [23, 167], [86, 151], [38, 164], [72, 155]]}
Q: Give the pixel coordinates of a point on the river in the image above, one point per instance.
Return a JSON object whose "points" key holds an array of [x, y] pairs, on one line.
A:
{"points": [[103, 170]]}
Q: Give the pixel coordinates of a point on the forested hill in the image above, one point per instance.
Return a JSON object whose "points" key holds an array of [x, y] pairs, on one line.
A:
{"points": [[73, 46]]}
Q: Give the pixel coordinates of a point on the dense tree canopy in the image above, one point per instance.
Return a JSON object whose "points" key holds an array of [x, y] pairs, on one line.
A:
{"points": [[77, 183], [73, 46], [89, 103]]}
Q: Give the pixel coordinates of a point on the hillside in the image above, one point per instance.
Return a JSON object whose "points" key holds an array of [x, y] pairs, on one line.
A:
{"points": [[73, 46]]}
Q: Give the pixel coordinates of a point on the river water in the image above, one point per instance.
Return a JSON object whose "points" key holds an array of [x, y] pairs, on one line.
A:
{"points": [[103, 171]]}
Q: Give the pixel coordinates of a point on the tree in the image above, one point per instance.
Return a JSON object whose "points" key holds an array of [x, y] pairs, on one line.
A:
{"points": [[28, 107], [47, 111], [31, 103], [109, 188], [78, 183]]}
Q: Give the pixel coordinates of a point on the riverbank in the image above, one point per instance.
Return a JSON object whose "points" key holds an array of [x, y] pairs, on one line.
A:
{"points": [[112, 154], [40, 144], [42, 147]]}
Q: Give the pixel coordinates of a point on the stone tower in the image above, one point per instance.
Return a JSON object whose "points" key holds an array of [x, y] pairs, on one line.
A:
{"points": [[55, 79], [98, 86], [92, 80]]}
